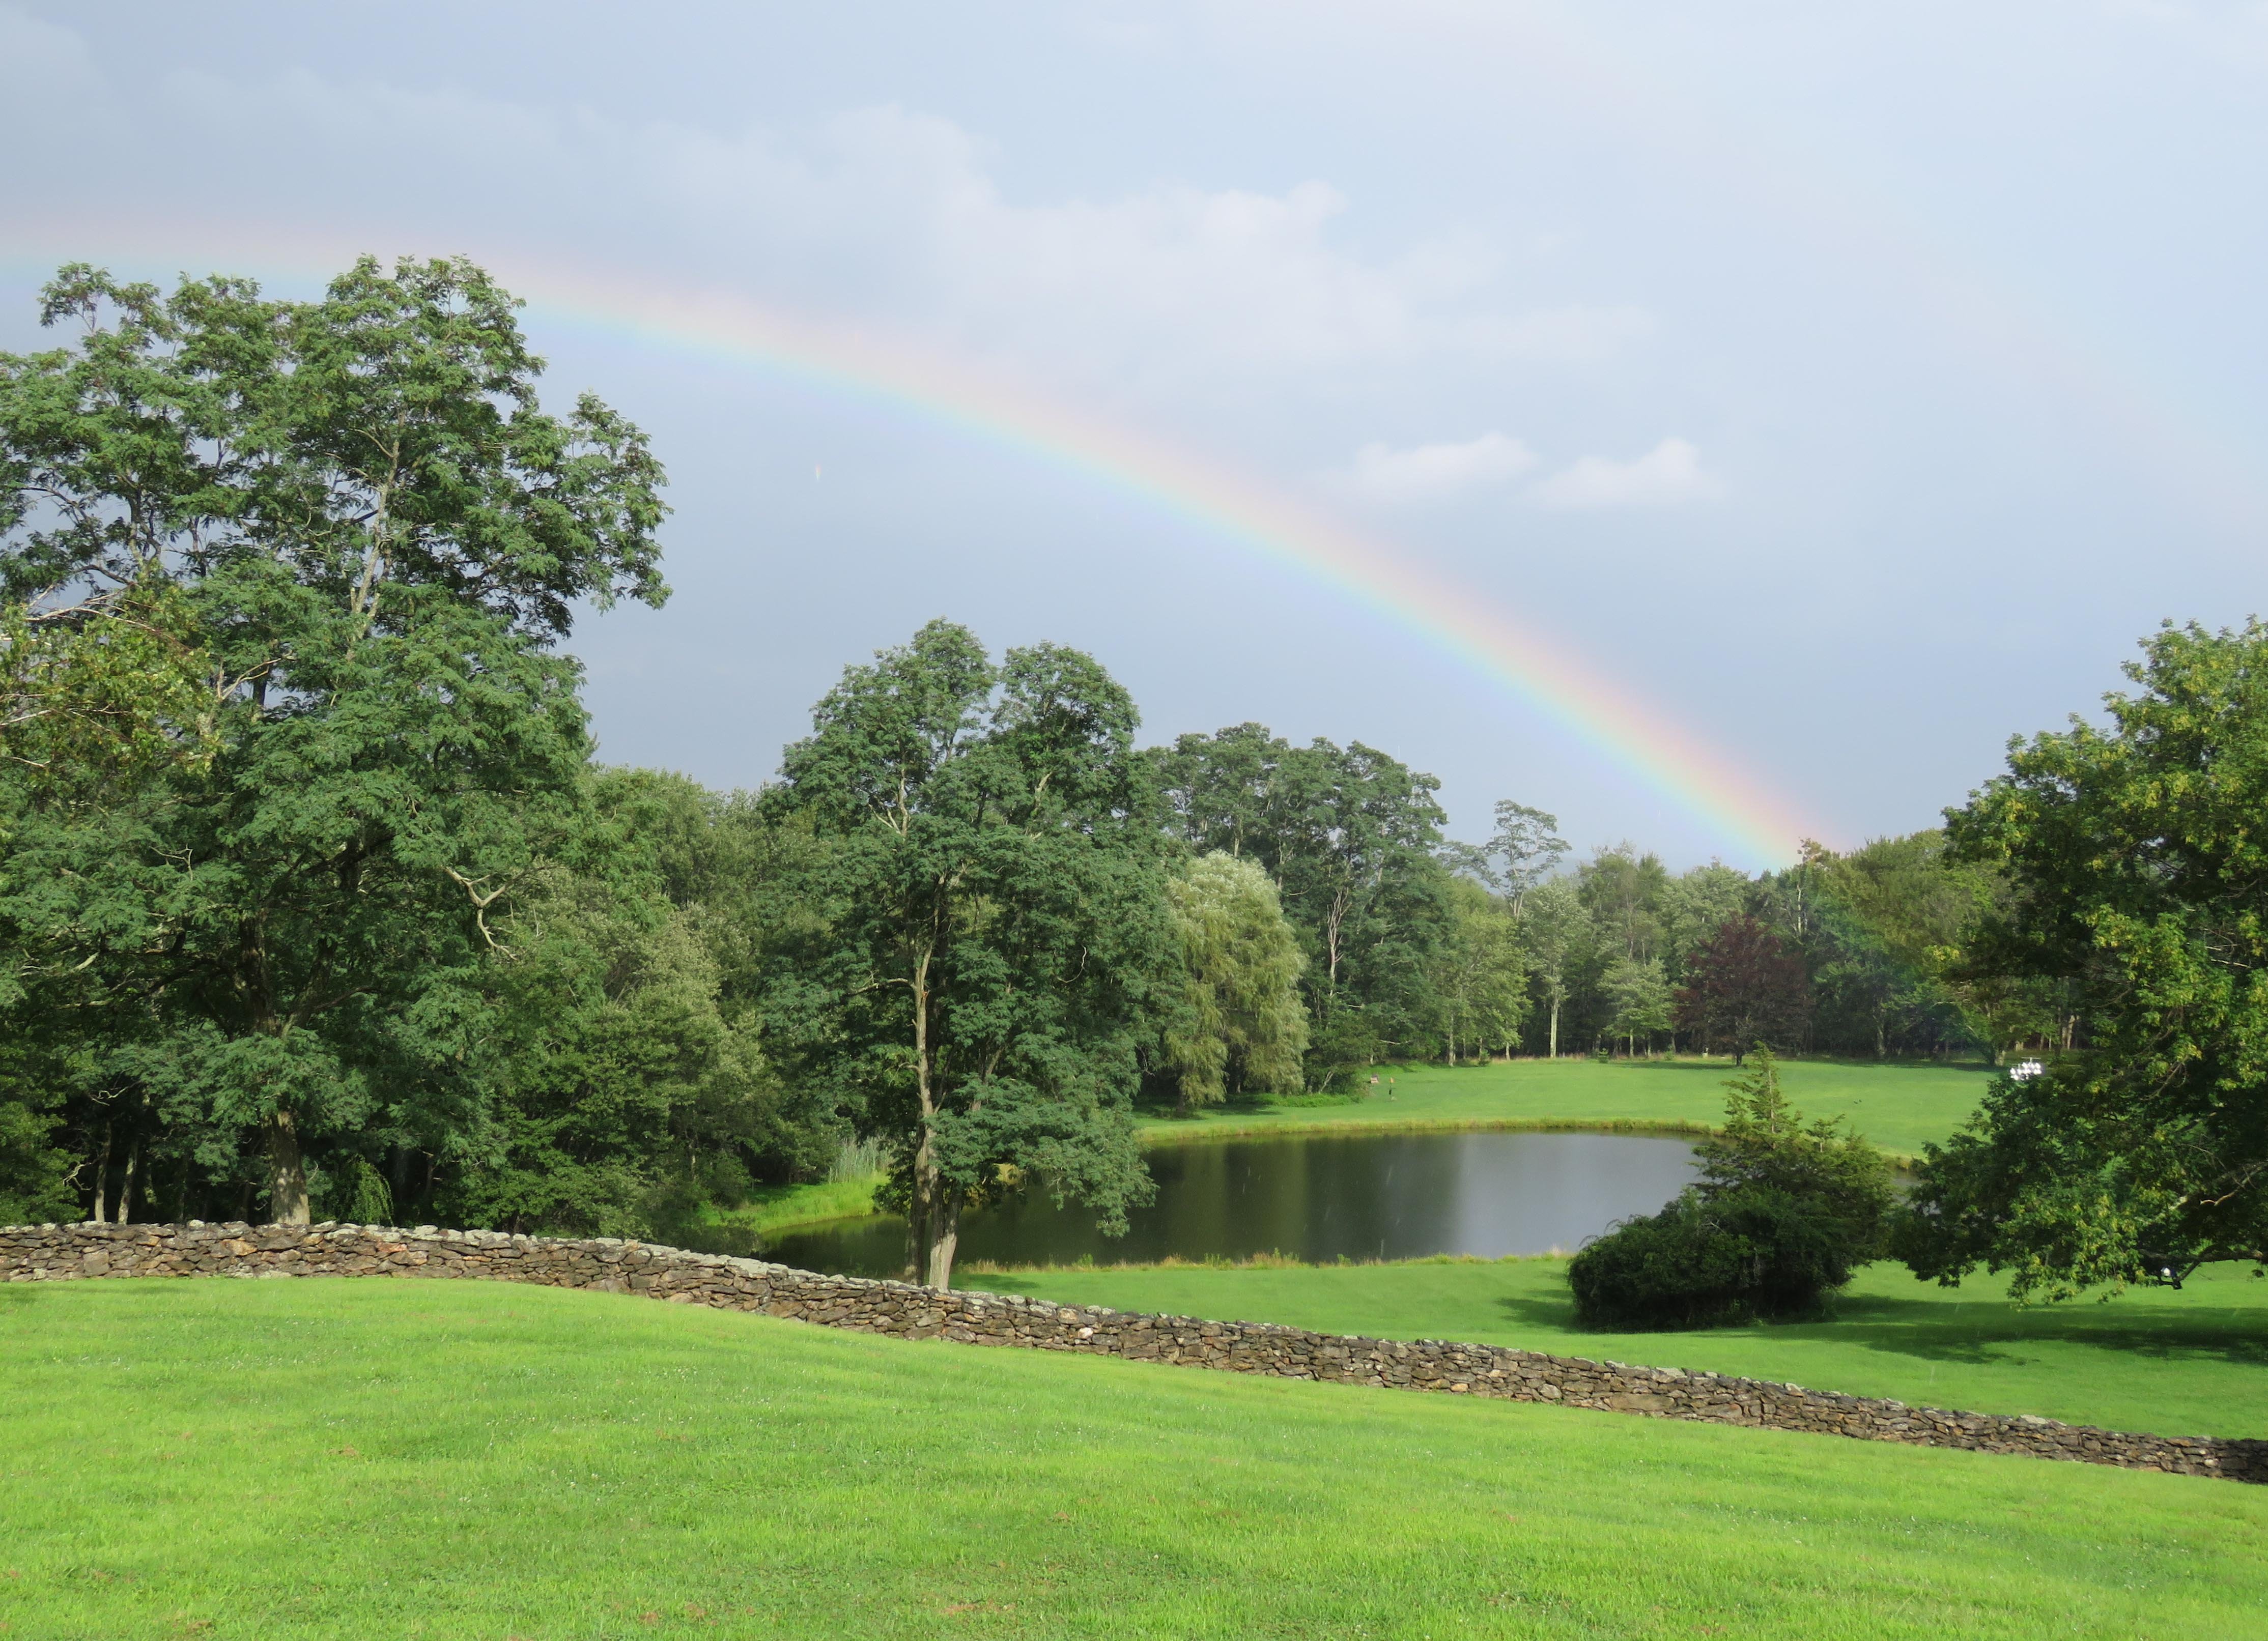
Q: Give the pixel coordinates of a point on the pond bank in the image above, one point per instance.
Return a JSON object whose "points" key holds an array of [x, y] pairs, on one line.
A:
{"points": [[1898, 1106]]}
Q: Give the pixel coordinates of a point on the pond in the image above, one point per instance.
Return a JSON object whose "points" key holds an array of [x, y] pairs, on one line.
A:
{"points": [[1313, 1198]]}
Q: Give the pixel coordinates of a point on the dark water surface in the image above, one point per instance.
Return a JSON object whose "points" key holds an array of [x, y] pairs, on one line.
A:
{"points": [[1315, 1197]]}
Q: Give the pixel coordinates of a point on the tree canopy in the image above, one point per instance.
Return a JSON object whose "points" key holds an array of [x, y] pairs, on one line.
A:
{"points": [[2134, 860], [993, 936]]}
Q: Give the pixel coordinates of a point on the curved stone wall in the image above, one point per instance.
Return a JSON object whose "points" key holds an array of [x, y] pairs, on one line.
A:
{"points": [[68, 1253]]}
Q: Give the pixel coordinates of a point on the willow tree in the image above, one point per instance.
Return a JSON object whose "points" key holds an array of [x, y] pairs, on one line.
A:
{"points": [[1241, 1023], [355, 515], [994, 941]]}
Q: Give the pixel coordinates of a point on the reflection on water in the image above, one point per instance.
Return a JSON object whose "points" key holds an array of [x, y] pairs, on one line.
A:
{"points": [[1313, 1198]]}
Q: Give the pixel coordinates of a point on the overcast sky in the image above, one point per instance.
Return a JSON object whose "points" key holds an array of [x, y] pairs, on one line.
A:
{"points": [[1855, 383]]}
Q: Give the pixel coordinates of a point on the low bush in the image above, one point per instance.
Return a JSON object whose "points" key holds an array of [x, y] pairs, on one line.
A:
{"points": [[1783, 1214]]}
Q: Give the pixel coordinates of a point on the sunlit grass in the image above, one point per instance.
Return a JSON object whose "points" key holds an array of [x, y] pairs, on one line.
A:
{"points": [[281, 1460], [1897, 1107]]}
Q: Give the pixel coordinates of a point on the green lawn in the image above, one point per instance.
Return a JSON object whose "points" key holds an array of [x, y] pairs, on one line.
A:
{"points": [[2188, 1364], [277, 1459], [1897, 1107]]}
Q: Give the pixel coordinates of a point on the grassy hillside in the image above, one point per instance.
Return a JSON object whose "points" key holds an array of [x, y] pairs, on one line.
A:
{"points": [[2187, 1364], [1897, 1107], [282, 1460]]}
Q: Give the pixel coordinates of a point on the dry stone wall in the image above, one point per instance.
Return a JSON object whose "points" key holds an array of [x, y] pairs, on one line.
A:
{"points": [[70, 1253]]}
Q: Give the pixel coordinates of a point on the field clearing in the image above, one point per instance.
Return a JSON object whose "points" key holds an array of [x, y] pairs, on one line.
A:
{"points": [[307, 1458], [1896, 1107], [2188, 1364]]}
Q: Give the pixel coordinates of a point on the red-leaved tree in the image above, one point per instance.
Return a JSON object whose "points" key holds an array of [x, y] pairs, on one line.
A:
{"points": [[1745, 986]]}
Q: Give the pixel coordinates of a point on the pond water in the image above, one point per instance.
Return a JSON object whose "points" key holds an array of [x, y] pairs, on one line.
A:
{"points": [[1315, 1197]]}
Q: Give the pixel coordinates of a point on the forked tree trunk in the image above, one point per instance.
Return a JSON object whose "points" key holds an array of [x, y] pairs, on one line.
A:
{"points": [[287, 1174], [125, 1188]]}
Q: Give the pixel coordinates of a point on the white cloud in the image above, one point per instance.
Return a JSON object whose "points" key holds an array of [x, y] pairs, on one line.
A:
{"points": [[881, 215], [1432, 471], [1668, 476]]}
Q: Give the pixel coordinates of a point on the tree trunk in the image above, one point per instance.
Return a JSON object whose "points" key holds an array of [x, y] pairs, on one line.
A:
{"points": [[97, 1215], [934, 1224], [287, 1175], [1555, 1028], [944, 1227], [125, 1188]]}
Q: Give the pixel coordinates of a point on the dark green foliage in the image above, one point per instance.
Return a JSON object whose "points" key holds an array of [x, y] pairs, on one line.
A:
{"points": [[2135, 858], [1783, 1214], [374, 536]]}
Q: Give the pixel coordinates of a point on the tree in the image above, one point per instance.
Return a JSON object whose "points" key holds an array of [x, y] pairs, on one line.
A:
{"points": [[1744, 987], [1348, 834], [1696, 904], [1557, 930], [2134, 856], [354, 520], [1783, 1214], [1519, 854], [1481, 975], [994, 943], [1240, 1023], [1893, 917], [1623, 890], [1639, 993]]}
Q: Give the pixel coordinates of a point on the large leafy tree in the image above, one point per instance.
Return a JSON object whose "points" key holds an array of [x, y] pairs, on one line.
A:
{"points": [[2136, 861], [994, 945], [355, 517]]}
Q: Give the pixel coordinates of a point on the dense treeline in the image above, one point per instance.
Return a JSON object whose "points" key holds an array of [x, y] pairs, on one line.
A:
{"points": [[316, 904], [313, 902]]}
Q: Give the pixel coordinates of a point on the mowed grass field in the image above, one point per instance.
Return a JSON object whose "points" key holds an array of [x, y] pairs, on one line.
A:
{"points": [[1896, 1107], [277, 1459], [2188, 1364]]}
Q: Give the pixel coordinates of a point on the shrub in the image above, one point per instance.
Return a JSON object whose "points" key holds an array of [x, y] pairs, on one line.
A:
{"points": [[1783, 1214]]}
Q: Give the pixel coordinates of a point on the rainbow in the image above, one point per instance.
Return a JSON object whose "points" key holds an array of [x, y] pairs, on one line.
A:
{"points": [[1756, 825], [1623, 732]]}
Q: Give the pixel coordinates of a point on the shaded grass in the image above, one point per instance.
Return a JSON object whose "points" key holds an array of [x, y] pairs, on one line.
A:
{"points": [[348, 1458], [2193, 1363], [1896, 1107]]}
